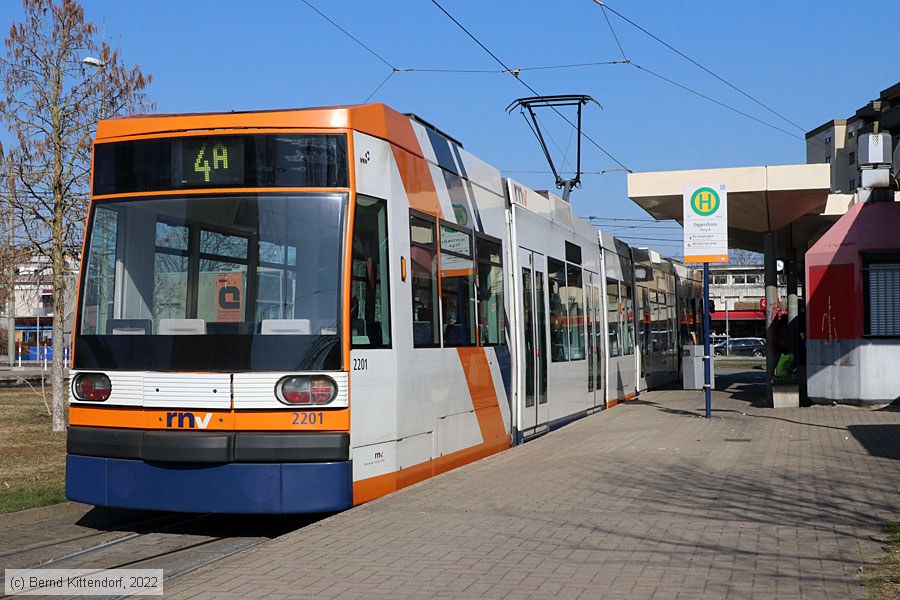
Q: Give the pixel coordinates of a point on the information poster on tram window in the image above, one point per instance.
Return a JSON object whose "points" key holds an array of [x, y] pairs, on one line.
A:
{"points": [[230, 297], [706, 223]]}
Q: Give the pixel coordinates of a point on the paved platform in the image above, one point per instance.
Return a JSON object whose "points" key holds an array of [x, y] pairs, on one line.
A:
{"points": [[646, 500]]}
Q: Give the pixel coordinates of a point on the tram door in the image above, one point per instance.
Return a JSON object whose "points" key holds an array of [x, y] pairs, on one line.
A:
{"points": [[595, 331], [535, 411]]}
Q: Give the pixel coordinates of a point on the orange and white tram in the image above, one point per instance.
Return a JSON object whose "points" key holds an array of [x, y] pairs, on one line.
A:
{"points": [[302, 310]]}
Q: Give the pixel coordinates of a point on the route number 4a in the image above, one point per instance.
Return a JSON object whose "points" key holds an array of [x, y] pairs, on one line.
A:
{"points": [[219, 160]]}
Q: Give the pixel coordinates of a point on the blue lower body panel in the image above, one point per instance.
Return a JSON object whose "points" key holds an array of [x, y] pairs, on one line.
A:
{"points": [[226, 488]]}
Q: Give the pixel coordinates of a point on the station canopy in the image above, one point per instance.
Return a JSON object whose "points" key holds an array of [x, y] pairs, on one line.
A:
{"points": [[788, 200]]}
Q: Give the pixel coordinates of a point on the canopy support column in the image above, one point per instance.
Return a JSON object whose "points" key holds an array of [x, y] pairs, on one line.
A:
{"points": [[771, 282]]}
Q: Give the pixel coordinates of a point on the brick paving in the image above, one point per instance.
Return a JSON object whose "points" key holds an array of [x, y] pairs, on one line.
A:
{"points": [[646, 500]]}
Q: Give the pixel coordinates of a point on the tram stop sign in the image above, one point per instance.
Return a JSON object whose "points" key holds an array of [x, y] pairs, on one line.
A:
{"points": [[706, 223]]}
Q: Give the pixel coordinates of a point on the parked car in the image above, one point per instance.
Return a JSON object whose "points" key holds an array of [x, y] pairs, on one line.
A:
{"points": [[750, 346]]}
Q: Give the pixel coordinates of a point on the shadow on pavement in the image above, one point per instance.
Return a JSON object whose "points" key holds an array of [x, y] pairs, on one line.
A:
{"points": [[882, 441], [244, 525]]}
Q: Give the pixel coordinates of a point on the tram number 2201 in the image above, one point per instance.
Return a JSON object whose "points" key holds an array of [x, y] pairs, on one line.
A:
{"points": [[308, 418], [360, 364]]}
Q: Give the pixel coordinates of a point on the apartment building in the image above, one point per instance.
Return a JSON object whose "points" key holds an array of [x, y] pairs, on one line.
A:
{"points": [[837, 141]]}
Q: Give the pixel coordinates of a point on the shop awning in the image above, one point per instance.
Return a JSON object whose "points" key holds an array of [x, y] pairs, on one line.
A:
{"points": [[734, 315]]}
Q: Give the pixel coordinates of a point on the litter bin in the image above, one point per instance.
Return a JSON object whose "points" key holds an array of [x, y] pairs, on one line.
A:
{"points": [[785, 387], [692, 368]]}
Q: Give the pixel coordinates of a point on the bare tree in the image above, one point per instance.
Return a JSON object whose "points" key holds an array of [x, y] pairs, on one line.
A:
{"points": [[53, 99], [744, 258], [12, 251]]}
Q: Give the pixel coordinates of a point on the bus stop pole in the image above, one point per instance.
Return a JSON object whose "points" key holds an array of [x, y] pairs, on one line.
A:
{"points": [[707, 359]]}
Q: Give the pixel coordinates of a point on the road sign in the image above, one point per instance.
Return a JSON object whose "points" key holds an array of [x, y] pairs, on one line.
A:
{"points": [[706, 223]]}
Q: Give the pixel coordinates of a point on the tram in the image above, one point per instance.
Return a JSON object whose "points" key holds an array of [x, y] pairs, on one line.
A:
{"points": [[302, 310]]}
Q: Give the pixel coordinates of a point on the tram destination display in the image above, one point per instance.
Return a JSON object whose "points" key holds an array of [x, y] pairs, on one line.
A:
{"points": [[221, 161]]}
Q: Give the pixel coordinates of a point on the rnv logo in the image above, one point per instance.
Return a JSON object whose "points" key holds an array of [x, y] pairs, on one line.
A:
{"points": [[186, 420]]}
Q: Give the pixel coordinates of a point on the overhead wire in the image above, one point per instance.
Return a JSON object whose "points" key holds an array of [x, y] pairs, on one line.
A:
{"points": [[394, 69], [349, 35], [605, 7], [613, 31], [380, 85], [563, 171], [564, 154], [714, 101], [520, 80], [367, 48], [516, 71], [631, 219], [665, 225], [660, 241]]}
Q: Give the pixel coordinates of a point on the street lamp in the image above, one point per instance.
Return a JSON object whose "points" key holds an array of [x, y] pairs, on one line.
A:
{"points": [[93, 62], [97, 63]]}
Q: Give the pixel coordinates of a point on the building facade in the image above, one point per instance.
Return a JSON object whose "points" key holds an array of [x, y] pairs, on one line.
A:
{"points": [[32, 313], [738, 295], [853, 271], [837, 141]]}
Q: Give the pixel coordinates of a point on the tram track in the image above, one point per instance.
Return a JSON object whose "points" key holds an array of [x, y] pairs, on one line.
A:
{"points": [[35, 547], [176, 543]]}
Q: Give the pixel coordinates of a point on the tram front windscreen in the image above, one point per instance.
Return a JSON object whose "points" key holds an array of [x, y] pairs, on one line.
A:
{"points": [[231, 282]]}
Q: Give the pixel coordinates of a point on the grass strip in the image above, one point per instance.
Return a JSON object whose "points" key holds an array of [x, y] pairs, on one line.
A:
{"points": [[32, 457], [882, 579]]}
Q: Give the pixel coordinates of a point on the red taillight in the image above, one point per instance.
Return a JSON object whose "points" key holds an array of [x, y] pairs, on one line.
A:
{"points": [[297, 396], [322, 395], [304, 389], [92, 387]]}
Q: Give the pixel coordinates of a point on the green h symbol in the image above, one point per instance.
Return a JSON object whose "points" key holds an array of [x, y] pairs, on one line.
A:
{"points": [[705, 201]]}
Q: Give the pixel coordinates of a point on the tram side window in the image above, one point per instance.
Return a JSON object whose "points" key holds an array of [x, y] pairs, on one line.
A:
{"points": [[222, 282], [614, 317], [575, 322], [370, 308], [658, 341], [628, 320], [646, 323], [672, 323], [170, 271], [424, 274], [490, 292], [277, 275], [100, 286], [559, 342], [457, 286]]}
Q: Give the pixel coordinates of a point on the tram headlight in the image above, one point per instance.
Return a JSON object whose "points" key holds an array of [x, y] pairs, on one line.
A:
{"points": [[94, 387], [298, 390]]}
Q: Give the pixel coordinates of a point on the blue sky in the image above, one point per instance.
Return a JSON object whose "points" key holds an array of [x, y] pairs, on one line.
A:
{"points": [[809, 61]]}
